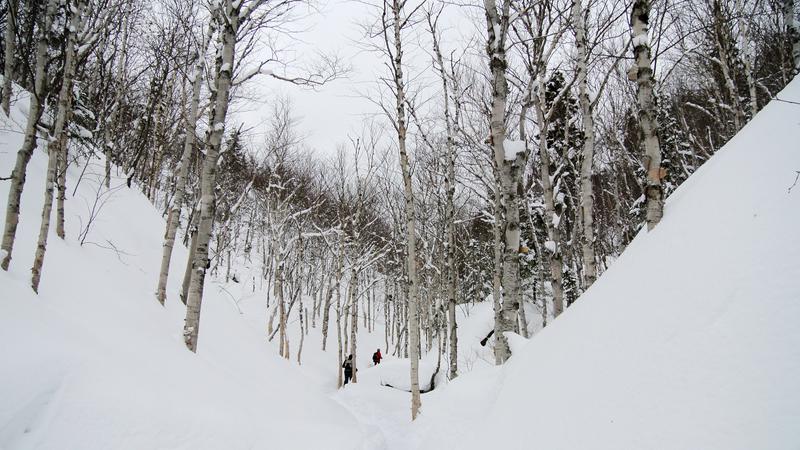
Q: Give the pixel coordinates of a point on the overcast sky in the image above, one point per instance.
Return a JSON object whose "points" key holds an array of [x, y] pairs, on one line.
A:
{"points": [[326, 115]]}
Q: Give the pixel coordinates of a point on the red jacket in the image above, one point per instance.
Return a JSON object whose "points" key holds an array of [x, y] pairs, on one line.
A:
{"points": [[376, 357]]}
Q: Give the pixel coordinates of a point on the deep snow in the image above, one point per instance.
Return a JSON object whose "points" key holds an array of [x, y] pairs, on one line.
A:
{"points": [[95, 362], [689, 341]]}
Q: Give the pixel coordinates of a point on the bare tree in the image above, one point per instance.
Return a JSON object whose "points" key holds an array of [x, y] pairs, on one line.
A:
{"points": [[8, 69], [29, 144], [58, 138], [654, 193], [188, 147]]}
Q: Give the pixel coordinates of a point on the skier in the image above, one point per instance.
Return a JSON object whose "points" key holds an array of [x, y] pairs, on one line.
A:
{"points": [[348, 369], [376, 357]]}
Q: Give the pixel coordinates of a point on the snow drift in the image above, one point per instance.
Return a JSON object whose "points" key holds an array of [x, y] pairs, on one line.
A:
{"points": [[691, 339]]}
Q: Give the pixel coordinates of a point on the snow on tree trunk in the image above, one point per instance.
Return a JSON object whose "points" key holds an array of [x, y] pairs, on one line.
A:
{"points": [[654, 193], [229, 25], [8, 70], [29, 144], [553, 244], [587, 196], [57, 140], [507, 161], [180, 186]]}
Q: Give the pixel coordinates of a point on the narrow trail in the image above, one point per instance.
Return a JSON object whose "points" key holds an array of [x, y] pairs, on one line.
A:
{"points": [[384, 413]]}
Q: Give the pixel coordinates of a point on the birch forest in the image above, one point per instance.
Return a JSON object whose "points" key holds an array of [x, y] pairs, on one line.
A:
{"points": [[510, 152]]}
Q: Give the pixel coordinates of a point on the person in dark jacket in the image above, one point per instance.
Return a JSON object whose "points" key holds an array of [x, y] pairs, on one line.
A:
{"points": [[348, 369], [376, 357]]}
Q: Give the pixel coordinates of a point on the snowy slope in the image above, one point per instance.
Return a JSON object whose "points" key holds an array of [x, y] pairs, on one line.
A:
{"points": [[94, 362], [691, 340]]}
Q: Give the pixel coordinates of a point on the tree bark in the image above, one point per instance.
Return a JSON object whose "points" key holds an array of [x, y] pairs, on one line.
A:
{"points": [[408, 195], [587, 113], [24, 154], [57, 140], [450, 187], [793, 32], [228, 27], [510, 174], [180, 186], [654, 192], [8, 70]]}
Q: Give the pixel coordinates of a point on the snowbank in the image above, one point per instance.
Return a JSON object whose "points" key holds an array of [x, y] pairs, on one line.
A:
{"points": [[690, 340], [94, 362]]}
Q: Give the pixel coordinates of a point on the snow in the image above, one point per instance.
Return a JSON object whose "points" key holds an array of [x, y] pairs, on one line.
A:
{"points": [[512, 149], [690, 339], [94, 362], [640, 40]]}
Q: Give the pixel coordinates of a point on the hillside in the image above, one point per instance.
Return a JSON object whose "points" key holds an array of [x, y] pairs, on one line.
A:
{"points": [[690, 340], [94, 361]]}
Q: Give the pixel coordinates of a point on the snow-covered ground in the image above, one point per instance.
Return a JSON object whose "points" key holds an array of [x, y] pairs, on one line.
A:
{"points": [[689, 341], [94, 362]]}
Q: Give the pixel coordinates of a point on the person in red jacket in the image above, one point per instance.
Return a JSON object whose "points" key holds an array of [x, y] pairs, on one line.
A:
{"points": [[376, 357]]}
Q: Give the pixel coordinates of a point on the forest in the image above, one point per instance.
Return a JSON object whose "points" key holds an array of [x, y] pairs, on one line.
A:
{"points": [[513, 151]]}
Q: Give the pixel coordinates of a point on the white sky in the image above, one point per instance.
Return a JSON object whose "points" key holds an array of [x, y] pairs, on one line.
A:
{"points": [[326, 115]]}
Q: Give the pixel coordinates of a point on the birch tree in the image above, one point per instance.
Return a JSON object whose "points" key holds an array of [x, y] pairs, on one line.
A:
{"points": [[395, 19], [229, 16], [653, 191], [450, 182], [8, 69], [793, 32], [188, 147], [58, 139], [24, 154], [509, 170]]}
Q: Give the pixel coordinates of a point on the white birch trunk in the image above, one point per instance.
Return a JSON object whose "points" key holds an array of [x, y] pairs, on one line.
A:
{"points": [[450, 187], [229, 25], [354, 320], [111, 123], [587, 195], [654, 193], [411, 239], [510, 174], [8, 70], [57, 140], [180, 186], [793, 32], [24, 154]]}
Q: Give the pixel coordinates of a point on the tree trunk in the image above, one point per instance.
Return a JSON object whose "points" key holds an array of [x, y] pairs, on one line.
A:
{"points": [[57, 140], [229, 26], [11, 40], [552, 219], [509, 173], [450, 187], [187, 274], [793, 32], [654, 193], [411, 236], [180, 186], [587, 113], [29, 144], [354, 320]]}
